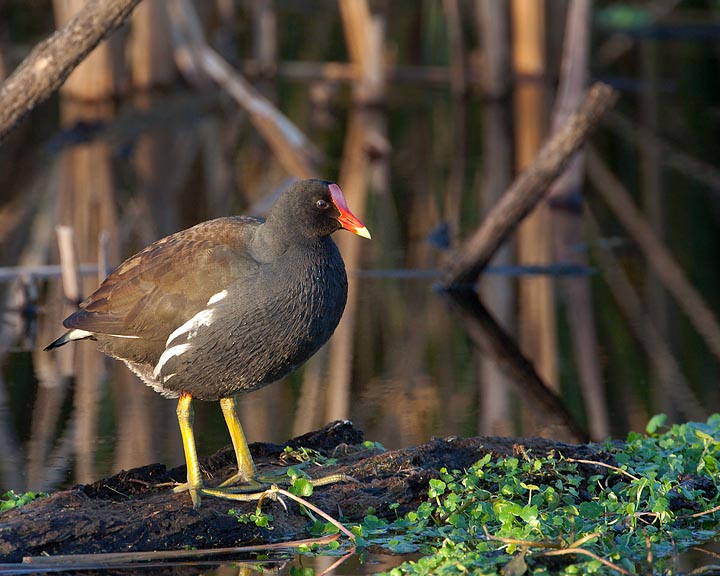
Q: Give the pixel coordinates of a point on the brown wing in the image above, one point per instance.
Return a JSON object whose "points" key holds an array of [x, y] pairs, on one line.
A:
{"points": [[161, 287]]}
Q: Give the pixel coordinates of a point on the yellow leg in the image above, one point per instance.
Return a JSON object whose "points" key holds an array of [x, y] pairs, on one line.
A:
{"points": [[185, 420], [246, 474], [246, 467]]}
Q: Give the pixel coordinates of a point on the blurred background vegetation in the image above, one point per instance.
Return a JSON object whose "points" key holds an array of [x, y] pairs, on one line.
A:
{"points": [[423, 111]]}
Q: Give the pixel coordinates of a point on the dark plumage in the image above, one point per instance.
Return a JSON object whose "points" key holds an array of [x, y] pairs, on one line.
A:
{"points": [[226, 306]]}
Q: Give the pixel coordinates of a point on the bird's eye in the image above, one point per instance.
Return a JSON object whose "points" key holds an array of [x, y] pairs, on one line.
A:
{"points": [[322, 204]]}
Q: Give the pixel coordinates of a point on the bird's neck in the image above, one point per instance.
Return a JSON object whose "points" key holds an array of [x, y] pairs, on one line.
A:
{"points": [[273, 239]]}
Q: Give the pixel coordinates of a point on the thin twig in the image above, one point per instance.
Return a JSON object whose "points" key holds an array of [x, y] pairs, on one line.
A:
{"points": [[558, 550], [596, 463], [584, 552], [580, 541], [519, 542], [338, 562], [119, 557], [699, 514], [317, 510]]}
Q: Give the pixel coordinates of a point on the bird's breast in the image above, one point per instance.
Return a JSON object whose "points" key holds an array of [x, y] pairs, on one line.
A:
{"points": [[259, 330]]}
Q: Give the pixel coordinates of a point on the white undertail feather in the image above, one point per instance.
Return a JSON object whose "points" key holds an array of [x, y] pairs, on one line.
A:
{"points": [[144, 372]]}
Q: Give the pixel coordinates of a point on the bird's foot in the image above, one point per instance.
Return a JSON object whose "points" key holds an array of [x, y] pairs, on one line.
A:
{"points": [[262, 490], [278, 477], [331, 479], [239, 488], [240, 483]]}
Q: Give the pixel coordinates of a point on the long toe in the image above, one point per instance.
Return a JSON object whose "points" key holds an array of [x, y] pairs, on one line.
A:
{"points": [[238, 494], [239, 485], [277, 476], [195, 492], [237, 479]]}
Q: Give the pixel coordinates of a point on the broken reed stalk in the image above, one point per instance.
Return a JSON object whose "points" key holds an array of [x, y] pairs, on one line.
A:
{"points": [[115, 559], [456, 48], [672, 156], [52, 61], [668, 270], [353, 176], [497, 344], [103, 267], [10, 273], [357, 21], [71, 281], [537, 317], [150, 53], [340, 72], [565, 200], [69, 267], [528, 189], [493, 23], [364, 37], [264, 41], [294, 151], [659, 354], [95, 79]]}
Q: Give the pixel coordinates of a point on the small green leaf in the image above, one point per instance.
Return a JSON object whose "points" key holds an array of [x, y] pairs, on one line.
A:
{"points": [[591, 510], [437, 488], [656, 422], [301, 487]]}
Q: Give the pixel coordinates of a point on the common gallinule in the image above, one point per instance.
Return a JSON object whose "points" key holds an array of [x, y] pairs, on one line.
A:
{"points": [[225, 307]]}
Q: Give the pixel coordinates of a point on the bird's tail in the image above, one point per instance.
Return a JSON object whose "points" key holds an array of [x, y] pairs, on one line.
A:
{"points": [[69, 336]]}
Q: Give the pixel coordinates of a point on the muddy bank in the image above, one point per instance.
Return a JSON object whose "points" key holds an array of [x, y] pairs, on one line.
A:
{"points": [[128, 512]]}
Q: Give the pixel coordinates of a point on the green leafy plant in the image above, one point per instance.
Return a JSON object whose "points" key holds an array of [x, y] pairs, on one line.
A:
{"points": [[259, 518], [12, 500], [629, 511], [549, 514], [306, 455]]}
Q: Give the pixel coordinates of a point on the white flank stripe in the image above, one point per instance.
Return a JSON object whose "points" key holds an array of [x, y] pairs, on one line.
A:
{"points": [[217, 297], [202, 318], [123, 336], [169, 353], [78, 334]]}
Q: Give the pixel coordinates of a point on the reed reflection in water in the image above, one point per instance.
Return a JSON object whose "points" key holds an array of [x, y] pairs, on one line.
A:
{"points": [[421, 170]]}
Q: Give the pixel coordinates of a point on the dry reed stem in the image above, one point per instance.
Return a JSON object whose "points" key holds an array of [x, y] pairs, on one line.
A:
{"points": [[52, 61], [672, 156], [528, 189], [114, 558], [494, 341], [666, 267], [295, 152], [567, 228], [70, 270], [659, 354]]}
